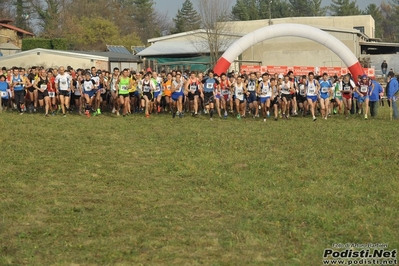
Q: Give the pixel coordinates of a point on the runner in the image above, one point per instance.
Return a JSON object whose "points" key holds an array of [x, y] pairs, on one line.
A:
{"points": [[218, 96], [101, 95], [133, 94], [113, 89], [41, 85], [275, 99], [210, 85], [265, 92], [239, 89], [347, 88], [4, 87], [301, 97], [337, 96], [177, 96], [287, 87], [294, 93], [193, 89], [63, 83], [124, 83], [52, 92], [364, 89], [167, 88], [88, 85], [157, 91], [312, 90], [148, 89], [32, 92], [252, 84], [17, 85], [225, 89], [77, 93], [324, 97], [139, 94]]}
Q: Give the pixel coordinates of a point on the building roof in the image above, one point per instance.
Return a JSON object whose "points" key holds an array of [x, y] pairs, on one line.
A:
{"points": [[187, 33], [118, 49], [186, 43], [382, 44], [11, 27], [138, 49], [38, 51], [113, 56], [104, 56], [180, 47]]}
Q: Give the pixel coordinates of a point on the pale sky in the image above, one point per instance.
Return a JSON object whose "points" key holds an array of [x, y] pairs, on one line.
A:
{"points": [[171, 6]]}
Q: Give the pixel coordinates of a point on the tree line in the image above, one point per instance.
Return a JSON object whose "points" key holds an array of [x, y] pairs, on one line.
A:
{"points": [[90, 24]]}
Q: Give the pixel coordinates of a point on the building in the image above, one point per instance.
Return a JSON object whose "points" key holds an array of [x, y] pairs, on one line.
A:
{"points": [[187, 50], [55, 58], [294, 51], [12, 34], [356, 32]]}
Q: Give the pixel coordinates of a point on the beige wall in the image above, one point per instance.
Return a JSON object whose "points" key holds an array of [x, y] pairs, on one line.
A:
{"points": [[293, 51]]}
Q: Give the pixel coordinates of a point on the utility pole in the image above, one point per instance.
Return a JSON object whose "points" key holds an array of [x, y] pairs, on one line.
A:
{"points": [[270, 13]]}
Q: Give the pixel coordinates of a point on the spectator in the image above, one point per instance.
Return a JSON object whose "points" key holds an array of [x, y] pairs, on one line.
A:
{"points": [[374, 98], [384, 67], [391, 93], [391, 72]]}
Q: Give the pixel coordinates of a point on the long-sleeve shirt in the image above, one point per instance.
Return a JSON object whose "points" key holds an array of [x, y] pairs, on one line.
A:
{"points": [[393, 88], [376, 92]]}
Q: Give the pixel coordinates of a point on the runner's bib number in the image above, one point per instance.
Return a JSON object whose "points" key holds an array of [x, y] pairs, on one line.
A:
{"points": [[63, 85], [324, 90], [240, 95], [43, 87], [193, 88], [209, 85], [363, 89], [51, 94], [146, 88], [251, 87], [3, 94], [338, 94], [347, 88], [225, 92], [123, 88]]}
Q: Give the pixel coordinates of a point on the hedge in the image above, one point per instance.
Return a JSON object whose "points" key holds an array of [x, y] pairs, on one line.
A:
{"points": [[32, 43]]}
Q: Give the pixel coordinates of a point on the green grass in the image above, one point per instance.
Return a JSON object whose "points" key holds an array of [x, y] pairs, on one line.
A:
{"points": [[158, 191]]}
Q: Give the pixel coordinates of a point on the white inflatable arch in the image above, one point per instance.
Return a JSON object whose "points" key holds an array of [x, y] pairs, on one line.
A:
{"points": [[286, 30]]}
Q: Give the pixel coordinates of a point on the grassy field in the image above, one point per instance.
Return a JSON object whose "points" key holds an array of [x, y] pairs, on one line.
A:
{"points": [[163, 191]]}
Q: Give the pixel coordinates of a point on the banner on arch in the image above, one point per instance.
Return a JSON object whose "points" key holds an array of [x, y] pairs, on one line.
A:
{"points": [[277, 70], [248, 69], [303, 70], [331, 71]]}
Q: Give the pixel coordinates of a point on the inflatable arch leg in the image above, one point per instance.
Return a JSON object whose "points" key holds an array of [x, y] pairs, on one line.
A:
{"points": [[286, 30]]}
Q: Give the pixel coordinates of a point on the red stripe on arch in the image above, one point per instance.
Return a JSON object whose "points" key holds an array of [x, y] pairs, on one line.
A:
{"points": [[356, 70], [221, 66]]}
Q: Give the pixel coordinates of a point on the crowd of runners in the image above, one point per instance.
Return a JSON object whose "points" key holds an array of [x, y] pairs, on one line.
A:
{"points": [[257, 95]]}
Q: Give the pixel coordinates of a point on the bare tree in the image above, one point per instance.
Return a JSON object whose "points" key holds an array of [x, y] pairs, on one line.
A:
{"points": [[214, 17], [50, 15]]}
